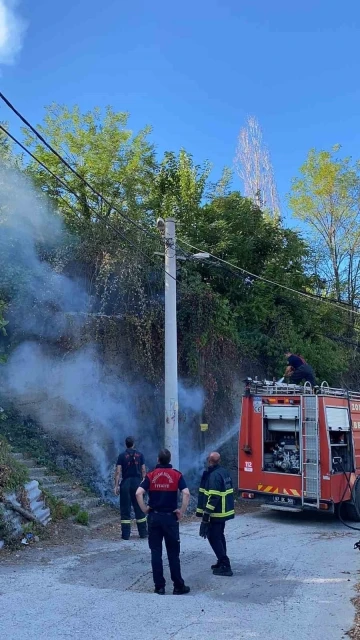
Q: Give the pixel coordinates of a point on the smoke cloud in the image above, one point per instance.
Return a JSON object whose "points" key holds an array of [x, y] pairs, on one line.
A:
{"points": [[12, 31], [75, 394]]}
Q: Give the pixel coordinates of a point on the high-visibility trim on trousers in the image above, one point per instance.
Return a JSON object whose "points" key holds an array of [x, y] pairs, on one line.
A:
{"points": [[125, 521], [141, 520]]}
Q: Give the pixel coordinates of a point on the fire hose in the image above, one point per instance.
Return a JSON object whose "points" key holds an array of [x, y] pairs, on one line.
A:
{"points": [[348, 486]]}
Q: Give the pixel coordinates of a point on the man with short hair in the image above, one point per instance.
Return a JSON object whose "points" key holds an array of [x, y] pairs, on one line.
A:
{"points": [[216, 506], [163, 484], [130, 469], [298, 370]]}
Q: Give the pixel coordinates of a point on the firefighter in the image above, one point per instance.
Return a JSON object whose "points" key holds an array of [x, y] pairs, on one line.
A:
{"points": [[216, 506], [130, 469], [162, 484], [298, 370]]}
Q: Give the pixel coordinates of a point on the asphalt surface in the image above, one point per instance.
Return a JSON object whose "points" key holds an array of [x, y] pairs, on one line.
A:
{"points": [[294, 577]]}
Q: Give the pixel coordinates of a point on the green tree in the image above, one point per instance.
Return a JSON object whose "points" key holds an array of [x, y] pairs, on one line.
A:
{"points": [[179, 186], [263, 319], [103, 150], [120, 166], [326, 197]]}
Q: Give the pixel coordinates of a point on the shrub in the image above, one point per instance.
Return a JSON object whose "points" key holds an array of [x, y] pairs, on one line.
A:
{"points": [[82, 518], [13, 474]]}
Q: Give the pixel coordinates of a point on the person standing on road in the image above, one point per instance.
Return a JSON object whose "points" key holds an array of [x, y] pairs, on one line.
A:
{"points": [[130, 469], [163, 484], [216, 506]]}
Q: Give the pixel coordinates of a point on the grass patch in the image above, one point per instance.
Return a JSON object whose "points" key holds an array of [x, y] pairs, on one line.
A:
{"points": [[60, 511], [82, 518], [13, 474]]}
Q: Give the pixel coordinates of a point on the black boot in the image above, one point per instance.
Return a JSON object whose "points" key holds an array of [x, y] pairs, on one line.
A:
{"points": [[223, 570], [125, 530], [142, 528], [216, 566], [160, 591], [180, 591]]}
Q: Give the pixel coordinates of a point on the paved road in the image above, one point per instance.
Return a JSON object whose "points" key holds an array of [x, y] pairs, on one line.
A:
{"points": [[294, 577]]}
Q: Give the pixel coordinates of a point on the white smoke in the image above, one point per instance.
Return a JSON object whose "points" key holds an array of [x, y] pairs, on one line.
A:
{"points": [[74, 395], [12, 31]]}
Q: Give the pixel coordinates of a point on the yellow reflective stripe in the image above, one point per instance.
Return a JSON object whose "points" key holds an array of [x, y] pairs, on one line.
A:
{"points": [[223, 515], [210, 506], [199, 510], [142, 520], [213, 492], [125, 521], [201, 490]]}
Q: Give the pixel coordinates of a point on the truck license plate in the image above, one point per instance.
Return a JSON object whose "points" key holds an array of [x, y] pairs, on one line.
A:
{"points": [[283, 500]]}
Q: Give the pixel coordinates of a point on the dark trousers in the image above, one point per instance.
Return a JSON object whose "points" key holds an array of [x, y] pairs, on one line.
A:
{"points": [[305, 372], [127, 499], [217, 542], [164, 526]]}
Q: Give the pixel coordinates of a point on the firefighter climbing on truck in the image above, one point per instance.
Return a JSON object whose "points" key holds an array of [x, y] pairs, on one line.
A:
{"points": [[298, 370]]}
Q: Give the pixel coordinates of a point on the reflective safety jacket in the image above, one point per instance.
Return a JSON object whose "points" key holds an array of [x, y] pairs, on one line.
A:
{"points": [[216, 495]]}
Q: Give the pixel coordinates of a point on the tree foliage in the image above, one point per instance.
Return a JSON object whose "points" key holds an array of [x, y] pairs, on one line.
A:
{"points": [[226, 314], [326, 197]]}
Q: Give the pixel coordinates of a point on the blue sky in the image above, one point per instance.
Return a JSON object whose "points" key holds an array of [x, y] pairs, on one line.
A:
{"points": [[194, 70]]}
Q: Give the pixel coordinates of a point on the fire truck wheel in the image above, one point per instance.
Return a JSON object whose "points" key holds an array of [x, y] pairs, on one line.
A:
{"points": [[351, 510]]}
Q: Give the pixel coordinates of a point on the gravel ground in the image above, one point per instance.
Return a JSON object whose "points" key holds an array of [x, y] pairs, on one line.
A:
{"points": [[294, 577]]}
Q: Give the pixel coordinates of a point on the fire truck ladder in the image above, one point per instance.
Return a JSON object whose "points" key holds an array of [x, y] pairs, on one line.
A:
{"points": [[310, 453]]}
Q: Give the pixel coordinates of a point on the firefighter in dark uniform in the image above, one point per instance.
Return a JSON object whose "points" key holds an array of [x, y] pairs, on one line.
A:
{"points": [[216, 506], [298, 370], [130, 468], [163, 484]]}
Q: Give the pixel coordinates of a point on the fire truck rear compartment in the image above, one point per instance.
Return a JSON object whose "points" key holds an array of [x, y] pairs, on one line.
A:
{"points": [[281, 442], [338, 426]]}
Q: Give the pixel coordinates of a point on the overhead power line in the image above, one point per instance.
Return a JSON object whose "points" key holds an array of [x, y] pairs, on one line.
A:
{"points": [[76, 173], [138, 226], [271, 282], [104, 220]]}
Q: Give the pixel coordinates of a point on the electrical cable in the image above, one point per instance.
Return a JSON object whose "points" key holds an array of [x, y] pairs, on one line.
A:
{"points": [[76, 173], [131, 221], [104, 221], [272, 282]]}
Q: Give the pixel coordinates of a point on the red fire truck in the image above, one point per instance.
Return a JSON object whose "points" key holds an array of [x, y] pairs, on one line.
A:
{"points": [[299, 448]]}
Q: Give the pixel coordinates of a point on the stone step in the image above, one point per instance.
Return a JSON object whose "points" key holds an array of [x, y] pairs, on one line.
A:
{"points": [[18, 456], [29, 462], [100, 514], [49, 481], [84, 502], [66, 494], [36, 473]]}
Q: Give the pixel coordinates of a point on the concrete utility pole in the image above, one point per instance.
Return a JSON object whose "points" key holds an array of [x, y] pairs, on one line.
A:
{"points": [[171, 372]]}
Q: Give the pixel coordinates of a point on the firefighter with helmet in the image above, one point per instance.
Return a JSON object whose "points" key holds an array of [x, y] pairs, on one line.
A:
{"points": [[130, 469], [215, 507], [298, 370]]}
